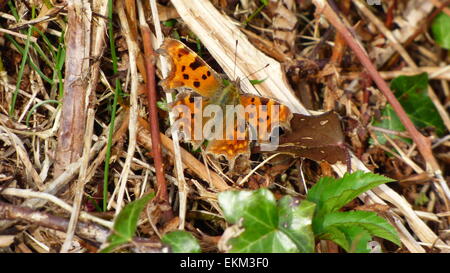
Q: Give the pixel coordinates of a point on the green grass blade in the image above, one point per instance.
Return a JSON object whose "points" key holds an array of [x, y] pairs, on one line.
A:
{"points": [[114, 106], [20, 75], [27, 121]]}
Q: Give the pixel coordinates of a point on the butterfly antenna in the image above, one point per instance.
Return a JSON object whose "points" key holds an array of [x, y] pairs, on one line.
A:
{"points": [[253, 73], [235, 57]]}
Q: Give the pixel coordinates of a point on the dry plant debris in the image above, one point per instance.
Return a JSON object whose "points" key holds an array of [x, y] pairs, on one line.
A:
{"points": [[86, 139]]}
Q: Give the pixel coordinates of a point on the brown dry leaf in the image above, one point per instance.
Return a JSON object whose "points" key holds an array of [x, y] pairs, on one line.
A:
{"points": [[315, 137]]}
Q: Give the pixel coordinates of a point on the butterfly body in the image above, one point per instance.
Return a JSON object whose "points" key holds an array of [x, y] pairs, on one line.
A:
{"points": [[189, 71]]}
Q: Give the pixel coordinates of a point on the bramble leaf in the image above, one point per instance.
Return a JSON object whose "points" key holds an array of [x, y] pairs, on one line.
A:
{"points": [[331, 194], [345, 227]]}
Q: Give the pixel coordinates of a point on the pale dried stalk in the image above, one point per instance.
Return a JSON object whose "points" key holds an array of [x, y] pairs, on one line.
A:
{"points": [[73, 119], [18, 34], [49, 197], [98, 41], [23, 156], [409, 22], [434, 73], [132, 125]]}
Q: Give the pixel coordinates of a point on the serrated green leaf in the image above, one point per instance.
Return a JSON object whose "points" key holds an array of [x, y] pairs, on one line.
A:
{"points": [[335, 225], [296, 221], [331, 194], [126, 222], [181, 242], [352, 239], [411, 92], [266, 226], [439, 28]]}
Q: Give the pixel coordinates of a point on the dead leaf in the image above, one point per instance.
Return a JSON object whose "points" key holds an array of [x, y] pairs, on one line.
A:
{"points": [[315, 137]]}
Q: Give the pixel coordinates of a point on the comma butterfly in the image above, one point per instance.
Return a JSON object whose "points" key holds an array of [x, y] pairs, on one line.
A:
{"points": [[206, 88]]}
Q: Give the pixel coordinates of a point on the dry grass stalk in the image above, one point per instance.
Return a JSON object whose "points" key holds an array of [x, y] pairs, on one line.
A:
{"points": [[98, 44], [73, 119], [132, 125]]}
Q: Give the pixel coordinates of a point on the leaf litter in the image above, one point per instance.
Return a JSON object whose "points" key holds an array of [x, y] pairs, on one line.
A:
{"points": [[351, 117]]}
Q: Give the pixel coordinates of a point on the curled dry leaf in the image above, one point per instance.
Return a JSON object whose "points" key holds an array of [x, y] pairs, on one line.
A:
{"points": [[315, 137]]}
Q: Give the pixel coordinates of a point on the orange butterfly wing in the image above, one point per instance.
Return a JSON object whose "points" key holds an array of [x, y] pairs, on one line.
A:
{"points": [[264, 114], [189, 70]]}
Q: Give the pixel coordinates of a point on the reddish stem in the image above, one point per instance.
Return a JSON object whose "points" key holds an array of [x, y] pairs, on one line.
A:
{"points": [[422, 143], [149, 53]]}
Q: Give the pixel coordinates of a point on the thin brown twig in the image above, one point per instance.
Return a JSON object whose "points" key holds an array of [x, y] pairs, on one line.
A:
{"points": [[438, 4], [422, 143], [149, 57], [86, 230], [153, 112]]}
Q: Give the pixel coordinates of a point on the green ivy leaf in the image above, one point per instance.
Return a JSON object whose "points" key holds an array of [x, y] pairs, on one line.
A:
{"points": [[331, 194], [411, 92], [125, 223], [439, 28], [345, 227], [389, 120], [295, 220], [181, 242], [268, 227]]}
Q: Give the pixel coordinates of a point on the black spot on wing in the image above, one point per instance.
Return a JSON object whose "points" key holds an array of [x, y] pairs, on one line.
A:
{"points": [[182, 52], [197, 84], [186, 76], [196, 64]]}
